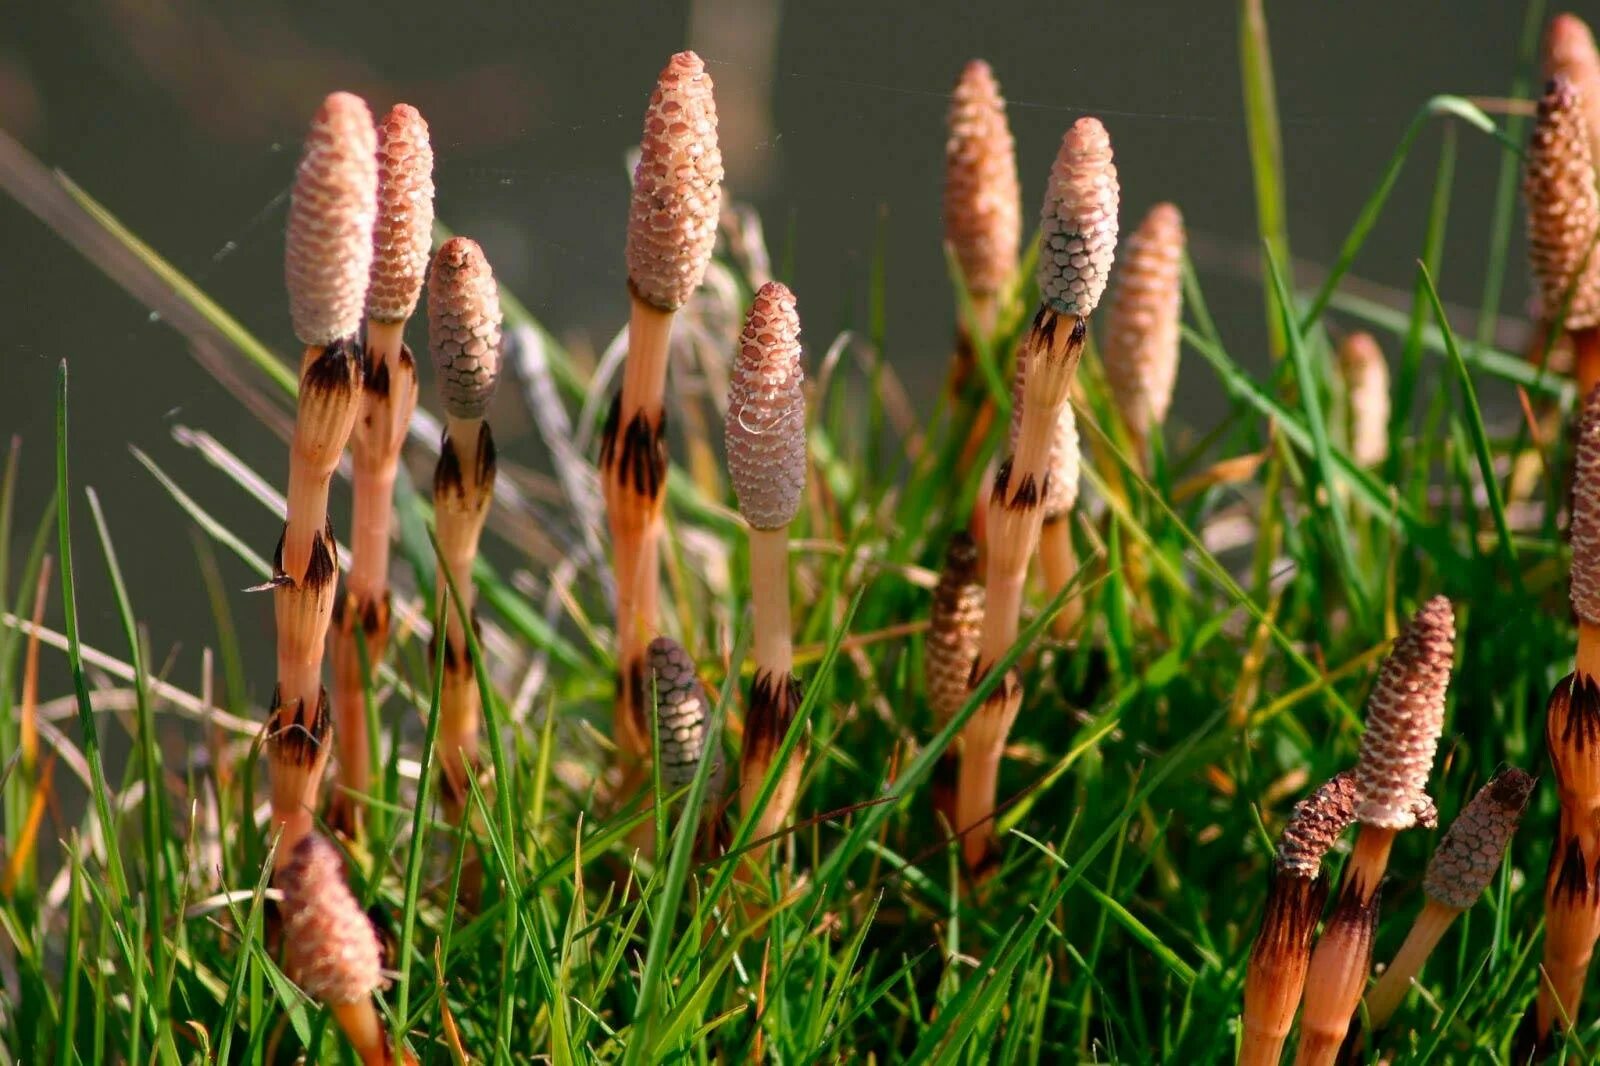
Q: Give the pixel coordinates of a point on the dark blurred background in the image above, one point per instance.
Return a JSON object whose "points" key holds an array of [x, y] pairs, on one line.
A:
{"points": [[185, 118]]}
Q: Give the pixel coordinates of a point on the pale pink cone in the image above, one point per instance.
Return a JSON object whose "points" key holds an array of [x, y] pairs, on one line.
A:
{"points": [[982, 209], [1563, 208], [1141, 338], [403, 232], [677, 187], [328, 250], [1405, 715], [1078, 227], [765, 431], [464, 327]]}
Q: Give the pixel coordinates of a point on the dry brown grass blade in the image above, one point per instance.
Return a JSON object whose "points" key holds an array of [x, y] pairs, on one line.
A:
{"points": [[29, 837], [28, 712]]}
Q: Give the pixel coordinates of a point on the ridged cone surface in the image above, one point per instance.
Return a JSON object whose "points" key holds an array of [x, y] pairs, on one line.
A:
{"points": [[982, 197], [1061, 491], [1141, 339], [1366, 382], [332, 951], [1469, 854], [765, 432], [1563, 208], [1078, 228], [464, 327], [955, 630], [328, 250], [1569, 52], [1585, 527], [403, 232], [1317, 823], [683, 714], [1405, 715], [677, 187]]}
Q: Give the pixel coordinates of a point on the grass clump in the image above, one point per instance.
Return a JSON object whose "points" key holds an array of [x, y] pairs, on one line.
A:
{"points": [[543, 871]]}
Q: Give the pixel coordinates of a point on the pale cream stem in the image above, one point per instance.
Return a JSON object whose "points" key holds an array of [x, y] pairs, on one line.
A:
{"points": [[1390, 991], [772, 648]]}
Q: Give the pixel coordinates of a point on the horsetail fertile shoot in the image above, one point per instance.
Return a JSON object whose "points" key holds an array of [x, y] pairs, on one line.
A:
{"points": [[982, 204], [955, 629], [1282, 949], [331, 948], [1572, 720], [1462, 866], [1405, 715], [1141, 339], [328, 252], [1366, 390], [401, 238], [1569, 52], [1563, 219], [1077, 243], [672, 226], [765, 436], [464, 336]]}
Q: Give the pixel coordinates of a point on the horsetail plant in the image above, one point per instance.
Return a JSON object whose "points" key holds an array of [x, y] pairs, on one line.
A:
{"points": [[1282, 949], [765, 438], [1366, 390], [1569, 52], [1141, 340], [1077, 243], [682, 717], [1405, 715], [327, 256], [982, 203], [400, 241], [955, 629], [1563, 220], [683, 732], [1462, 866], [1572, 719], [464, 337], [672, 226], [331, 950]]}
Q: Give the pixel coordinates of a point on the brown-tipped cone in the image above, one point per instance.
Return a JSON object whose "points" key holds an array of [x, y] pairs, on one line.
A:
{"points": [[1469, 854], [1569, 52], [403, 232], [1316, 825], [1078, 228], [1585, 527], [1563, 208], [1461, 868], [1366, 385], [464, 327], [1141, 339], [677, 187], [765, 432], [332, 950], [954, 629], [1295, 896], [1405, 715], [328, 252], [982, 209], [683, 716]]}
